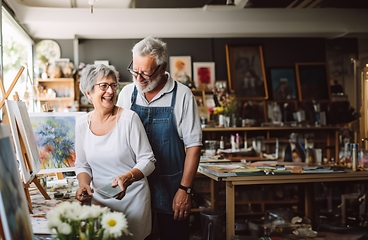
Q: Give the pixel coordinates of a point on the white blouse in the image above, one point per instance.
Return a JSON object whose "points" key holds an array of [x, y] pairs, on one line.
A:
{"points": [[108, 156]]}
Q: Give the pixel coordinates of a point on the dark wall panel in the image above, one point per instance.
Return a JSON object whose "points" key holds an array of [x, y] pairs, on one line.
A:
{"points": [[67, 50], [116, 51], [277, 52]]}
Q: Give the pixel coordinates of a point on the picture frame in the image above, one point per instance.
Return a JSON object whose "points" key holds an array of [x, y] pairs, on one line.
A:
{"points": [[23, 138], [14, 214], [312, 81], [51, 130], [181, 66], [283, 84], [204, 75], [246, 72], [253, 112]]}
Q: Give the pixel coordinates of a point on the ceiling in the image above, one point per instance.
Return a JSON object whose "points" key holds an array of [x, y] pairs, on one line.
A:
{"points": [[196, 3], [109, 19]]}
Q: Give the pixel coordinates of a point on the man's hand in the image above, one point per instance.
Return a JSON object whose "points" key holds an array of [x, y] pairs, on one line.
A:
{"points": [[181, 205]]}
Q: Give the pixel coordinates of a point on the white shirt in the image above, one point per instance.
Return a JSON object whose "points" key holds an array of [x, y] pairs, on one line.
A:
{"points": [[108, 156]]}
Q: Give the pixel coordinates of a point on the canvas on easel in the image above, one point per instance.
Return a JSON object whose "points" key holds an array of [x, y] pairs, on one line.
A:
{"points": [[54, 133], [23, 137], [25, 147], [14, 214]]}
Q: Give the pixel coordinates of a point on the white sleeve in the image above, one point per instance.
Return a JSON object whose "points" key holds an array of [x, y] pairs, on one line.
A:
{"points": [[190, 122], [141, 147], [81, 164]]}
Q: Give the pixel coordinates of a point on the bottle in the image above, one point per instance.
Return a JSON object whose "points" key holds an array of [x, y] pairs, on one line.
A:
{"points": [[232, 142], [237, 140], [354, 157], [222, 143]]}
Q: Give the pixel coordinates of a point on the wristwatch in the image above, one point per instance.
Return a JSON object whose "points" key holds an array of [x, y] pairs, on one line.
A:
{"points": [[188, 190]]}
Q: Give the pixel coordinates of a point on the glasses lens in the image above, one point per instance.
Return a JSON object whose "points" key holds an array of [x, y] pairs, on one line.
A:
{"points": [[114, 86], [135, 74], [104, 86]]}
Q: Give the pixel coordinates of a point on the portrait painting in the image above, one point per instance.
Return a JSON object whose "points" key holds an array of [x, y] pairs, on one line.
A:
{"points": [[181, 69], [55, 138], [204, 75], [24, 141], [283, 84], [14, 215], [312, 81], [246, 73]]}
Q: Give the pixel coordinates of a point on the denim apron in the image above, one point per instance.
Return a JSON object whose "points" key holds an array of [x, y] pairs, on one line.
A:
{"points": [[160, 126]]}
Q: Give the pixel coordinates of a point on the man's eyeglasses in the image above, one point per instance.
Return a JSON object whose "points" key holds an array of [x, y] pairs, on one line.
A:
{"points": [[104, 86], [144, 76]]}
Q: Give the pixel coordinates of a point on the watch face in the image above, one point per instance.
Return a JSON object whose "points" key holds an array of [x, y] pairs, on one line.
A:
{"points": [[188, 190]]}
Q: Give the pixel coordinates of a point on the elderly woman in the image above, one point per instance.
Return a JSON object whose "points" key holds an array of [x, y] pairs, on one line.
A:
{"points": [[112, 148]]}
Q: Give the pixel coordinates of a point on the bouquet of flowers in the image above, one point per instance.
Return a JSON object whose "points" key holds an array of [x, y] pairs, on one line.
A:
{"points": [[226, 105], [72, 221]]}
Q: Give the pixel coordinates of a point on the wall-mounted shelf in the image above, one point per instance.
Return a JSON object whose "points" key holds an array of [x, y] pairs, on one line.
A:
{"points": [[59, 92]]}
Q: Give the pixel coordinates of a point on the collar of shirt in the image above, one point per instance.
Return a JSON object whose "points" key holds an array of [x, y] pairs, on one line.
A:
{"points": [[168, 88]]}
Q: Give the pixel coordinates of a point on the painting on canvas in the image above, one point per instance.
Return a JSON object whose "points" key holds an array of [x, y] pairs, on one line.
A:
{"points": [[55, 139], [181, 68], [29, 161], [14, 214], [204, 75]]}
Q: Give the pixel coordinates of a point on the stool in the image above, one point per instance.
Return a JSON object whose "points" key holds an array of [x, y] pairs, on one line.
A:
{"points": [[213, 227]]}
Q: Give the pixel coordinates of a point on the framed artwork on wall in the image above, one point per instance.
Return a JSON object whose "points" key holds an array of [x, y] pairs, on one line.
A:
{"points": [[312, 81], [181, 68], [283, 84], [246, 72], [204, 75], [55, 130]]}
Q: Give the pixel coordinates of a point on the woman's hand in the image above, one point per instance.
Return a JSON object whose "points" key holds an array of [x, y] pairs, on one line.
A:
{"points": [[84, 193], [123, 181]]}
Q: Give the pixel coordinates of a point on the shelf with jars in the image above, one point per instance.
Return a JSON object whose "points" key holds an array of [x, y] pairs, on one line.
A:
{"points": [[58, 92], [271, 138]]}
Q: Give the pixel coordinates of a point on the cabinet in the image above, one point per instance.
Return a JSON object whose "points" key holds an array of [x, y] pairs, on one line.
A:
{"points": [[250, 200], [256, 200], [57, 92]]}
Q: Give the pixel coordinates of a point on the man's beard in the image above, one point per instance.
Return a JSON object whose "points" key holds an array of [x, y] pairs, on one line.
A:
{"points": [[150, 86]]}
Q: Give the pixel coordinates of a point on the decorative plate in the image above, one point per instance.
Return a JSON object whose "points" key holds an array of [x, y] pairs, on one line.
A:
{"points": [[48, 50]]}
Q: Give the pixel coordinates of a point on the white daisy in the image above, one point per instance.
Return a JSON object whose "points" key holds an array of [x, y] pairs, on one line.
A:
{"points": [[64, 228], [73, 211], [114, 223]]}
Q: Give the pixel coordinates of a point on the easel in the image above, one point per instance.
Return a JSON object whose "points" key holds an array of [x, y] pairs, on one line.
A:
{"points": [[33, 177]]}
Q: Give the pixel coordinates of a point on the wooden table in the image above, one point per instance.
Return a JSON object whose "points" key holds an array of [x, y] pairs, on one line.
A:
{"points": [[231, 182]]}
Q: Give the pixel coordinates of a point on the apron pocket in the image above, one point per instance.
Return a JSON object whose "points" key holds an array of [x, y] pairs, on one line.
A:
{"points": [[160, 131]]}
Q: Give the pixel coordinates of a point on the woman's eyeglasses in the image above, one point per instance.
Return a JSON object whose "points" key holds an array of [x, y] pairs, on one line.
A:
{"points": [[104, 86], [144, 76]]}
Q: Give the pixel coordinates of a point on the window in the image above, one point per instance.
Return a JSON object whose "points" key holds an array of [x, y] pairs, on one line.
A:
{"points": [[17, 52]]}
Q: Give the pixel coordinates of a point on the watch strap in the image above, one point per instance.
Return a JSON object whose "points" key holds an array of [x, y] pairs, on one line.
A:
{"points": [[188, 190]]}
